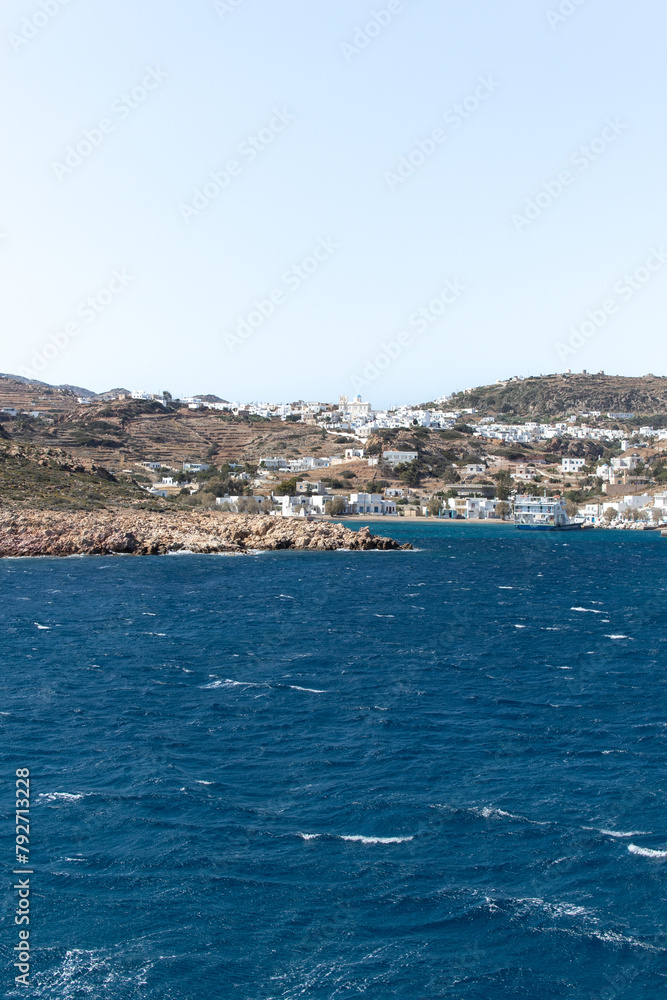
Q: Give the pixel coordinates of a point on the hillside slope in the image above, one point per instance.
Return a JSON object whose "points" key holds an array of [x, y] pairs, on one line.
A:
{"points": [[118, 434], [559, 395], [52, 480]]}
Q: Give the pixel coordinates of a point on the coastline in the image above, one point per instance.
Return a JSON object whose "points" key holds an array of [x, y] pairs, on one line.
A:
{"points": [[393, 518], [33, 532]]}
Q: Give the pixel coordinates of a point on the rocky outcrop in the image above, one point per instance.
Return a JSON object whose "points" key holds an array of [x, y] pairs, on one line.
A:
{"points": [[560, 395], [27, 532]]}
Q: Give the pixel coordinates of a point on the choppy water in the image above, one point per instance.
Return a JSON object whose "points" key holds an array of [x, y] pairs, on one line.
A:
{"points": [[417, 774]]}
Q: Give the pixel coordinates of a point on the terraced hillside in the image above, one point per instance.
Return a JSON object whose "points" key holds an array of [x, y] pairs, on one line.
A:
{"points": [[119, 434], [33, 396]]}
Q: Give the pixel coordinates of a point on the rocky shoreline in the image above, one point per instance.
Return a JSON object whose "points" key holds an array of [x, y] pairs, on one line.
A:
{"points": [[31, 532]]}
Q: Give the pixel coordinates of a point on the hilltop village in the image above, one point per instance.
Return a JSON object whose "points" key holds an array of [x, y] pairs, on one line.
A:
{"points": [[443, 459]]}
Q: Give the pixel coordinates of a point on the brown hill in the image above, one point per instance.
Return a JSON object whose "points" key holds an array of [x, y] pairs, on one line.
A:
{"points": [[118, 434], [24, 395], [559, 395]]}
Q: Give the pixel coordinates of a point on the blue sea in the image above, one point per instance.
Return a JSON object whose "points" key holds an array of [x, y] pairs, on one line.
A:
{"points": [[307, 776]]}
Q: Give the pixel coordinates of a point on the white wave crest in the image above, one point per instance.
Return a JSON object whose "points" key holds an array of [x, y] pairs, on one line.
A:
{"points": [[555, 910], [488, 812], [228, 683], [622, 833], [60, 796], [295, 687], [357, 838], [613, 937], [646, 852], [591, 611]]}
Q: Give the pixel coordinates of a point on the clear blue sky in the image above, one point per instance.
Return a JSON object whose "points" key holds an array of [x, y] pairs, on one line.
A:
{"points": [[333, 111]]}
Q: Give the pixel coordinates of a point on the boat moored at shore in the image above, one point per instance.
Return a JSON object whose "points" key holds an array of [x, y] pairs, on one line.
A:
{"points": [[533, 513]]}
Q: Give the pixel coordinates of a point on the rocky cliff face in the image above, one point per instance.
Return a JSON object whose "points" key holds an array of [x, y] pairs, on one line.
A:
{"points": [[53, 533]]}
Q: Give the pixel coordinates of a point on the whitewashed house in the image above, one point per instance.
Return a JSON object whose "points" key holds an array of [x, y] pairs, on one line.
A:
{"points": [[274, 464], [233, 501], [523, 473], [479, 508], [572, 465], [371, 503], [592, 513], [399, 457], [625, 463]]}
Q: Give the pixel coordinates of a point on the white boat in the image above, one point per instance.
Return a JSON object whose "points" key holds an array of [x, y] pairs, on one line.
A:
{"points": [[533, 513]]}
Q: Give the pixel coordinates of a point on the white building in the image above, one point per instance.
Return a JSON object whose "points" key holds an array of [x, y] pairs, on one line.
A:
{"points": [[318, 488], [307, 462], [302, 505], [371, 503], [356, 409], [592, 513], [399, 457], [478, 508], [273, 464], [625, 464], [524, 473], [634, 502], [570, 465], [233, 501], [195, 467]]}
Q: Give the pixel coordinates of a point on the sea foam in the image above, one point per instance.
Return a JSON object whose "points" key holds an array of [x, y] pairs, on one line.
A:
{"points": [[646, 852]]}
